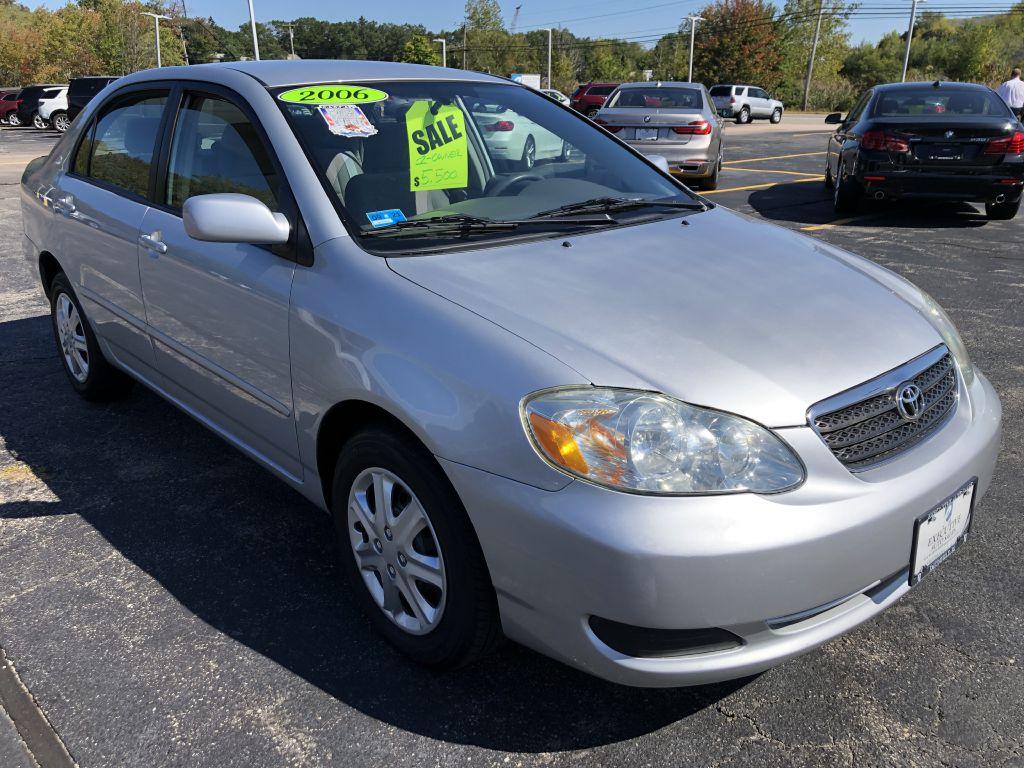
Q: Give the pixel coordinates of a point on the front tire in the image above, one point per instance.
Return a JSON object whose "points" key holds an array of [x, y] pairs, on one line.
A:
{"points": [[409, 552], [39, 123], [60, 121], [744, 116], [592, 112], [776, 117], [13, 120], [529, 158], [88, 371], [1002, 211]]}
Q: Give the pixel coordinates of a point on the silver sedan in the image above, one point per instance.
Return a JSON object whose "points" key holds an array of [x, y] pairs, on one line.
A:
{"points": [[533, 402], [677, 121]]}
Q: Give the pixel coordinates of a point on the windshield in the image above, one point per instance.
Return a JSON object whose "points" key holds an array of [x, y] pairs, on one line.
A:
{"points": [[656, 98], [396, 153], [924, 102]]}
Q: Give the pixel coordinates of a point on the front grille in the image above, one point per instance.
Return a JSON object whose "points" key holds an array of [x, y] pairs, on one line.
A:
{"points": [[870, 429]]}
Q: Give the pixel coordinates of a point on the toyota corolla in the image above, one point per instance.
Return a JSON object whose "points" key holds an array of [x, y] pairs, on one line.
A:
{"points": [[552, 403]]}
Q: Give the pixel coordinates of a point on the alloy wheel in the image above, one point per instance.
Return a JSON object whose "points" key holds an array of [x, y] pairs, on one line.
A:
{"points": [[61, 123], [71, 335], [397, 551], [38, 122], [13, 119], [529, 153]]}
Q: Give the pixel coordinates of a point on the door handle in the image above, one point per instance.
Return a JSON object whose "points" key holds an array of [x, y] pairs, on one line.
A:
{"points": [[64, 205], [152, 242]]}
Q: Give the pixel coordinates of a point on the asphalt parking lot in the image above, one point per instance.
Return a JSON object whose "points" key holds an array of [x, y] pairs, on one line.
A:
{"points": [[166, 602]]}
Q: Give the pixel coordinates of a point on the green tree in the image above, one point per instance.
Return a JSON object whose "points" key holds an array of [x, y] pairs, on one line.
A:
{"points": [[419, 50], [796, 34]]}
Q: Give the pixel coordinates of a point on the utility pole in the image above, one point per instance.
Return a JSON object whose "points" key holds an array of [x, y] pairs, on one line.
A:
{"points": [[291, 37], [156, 30], [465, 37], [549, 58], [910, 35], [814, 51], [252, 25], [693, 30], [444, 50]]}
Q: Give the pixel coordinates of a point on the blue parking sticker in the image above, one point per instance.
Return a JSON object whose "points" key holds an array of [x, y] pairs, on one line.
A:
{"points": [[385, 218]]}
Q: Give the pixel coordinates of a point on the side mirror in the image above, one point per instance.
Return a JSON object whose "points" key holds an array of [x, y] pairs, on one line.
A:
{"points": [[660, 161], [834, 119], [227, 217]]}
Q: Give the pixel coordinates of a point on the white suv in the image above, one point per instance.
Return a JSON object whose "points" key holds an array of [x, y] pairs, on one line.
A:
{"points": [[746, 102], [53, 109]]}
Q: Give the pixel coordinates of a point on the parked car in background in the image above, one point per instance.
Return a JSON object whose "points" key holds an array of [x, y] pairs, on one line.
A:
{"points": [[53, 109], [556, 95], [746, 103], [514, 140], [82, 89], [938, 141], [674, 120], [9, 102], [31, 96], [589, 97]]}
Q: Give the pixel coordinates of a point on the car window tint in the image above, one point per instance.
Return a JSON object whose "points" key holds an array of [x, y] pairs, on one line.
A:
{"points": [[217, 149], [657, 98], [125, 139], [721, 90], [932, 102], [858, 108], [80, 162], [601, 90]]}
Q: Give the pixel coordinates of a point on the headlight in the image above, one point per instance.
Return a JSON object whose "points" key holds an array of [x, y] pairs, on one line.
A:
{"points": [[941, 322], [650, 443]]}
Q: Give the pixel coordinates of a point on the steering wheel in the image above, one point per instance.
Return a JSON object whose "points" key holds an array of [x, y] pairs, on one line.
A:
{"points": [[498, 185]]}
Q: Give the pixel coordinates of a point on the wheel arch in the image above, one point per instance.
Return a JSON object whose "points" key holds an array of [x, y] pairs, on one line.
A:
{"points": [[49, 268]]}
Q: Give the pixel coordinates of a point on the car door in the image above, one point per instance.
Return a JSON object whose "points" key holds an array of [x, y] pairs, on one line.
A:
{"points": [[760, 106], [99, 203], [218, 312]]}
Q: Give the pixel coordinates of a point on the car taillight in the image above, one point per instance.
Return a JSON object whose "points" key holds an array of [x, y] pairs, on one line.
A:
{"points": [[611, 128], [697, 127], [1011, 145], [501, 125], [732, 99], [883, 141]]}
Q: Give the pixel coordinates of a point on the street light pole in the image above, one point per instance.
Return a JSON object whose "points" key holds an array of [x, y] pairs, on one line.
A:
{"points": [[550, 86], [693, 30], [444, 50], [156, 31], [252, 25], [910, 35], [291, 38]]}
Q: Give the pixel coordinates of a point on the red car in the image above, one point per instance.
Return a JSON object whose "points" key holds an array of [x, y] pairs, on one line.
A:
{"points": [[589, 97], [9, 102]]}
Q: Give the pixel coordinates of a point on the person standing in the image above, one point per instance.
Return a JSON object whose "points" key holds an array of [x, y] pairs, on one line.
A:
{"points": [[1012, 92]]}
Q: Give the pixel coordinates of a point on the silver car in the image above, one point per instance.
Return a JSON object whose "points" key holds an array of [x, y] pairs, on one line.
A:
{"points": [[746, 103], [556, 404], [676, 121]]}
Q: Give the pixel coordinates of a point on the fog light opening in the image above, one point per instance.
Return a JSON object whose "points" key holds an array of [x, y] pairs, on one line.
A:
{"points": [[650, 643]]}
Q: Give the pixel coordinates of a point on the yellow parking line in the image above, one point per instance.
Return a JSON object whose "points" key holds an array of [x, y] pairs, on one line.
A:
{"points": [[836, 223], [775, 157], [774, 170], [761, 186]]}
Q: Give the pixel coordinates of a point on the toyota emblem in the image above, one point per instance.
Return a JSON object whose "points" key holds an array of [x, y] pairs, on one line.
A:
{"points": [[910, 402]]}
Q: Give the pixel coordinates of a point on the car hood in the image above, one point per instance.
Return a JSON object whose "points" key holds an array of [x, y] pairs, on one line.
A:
{"points": [[716, 309]]}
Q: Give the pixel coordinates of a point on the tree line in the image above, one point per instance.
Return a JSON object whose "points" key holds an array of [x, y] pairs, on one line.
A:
{"points": [[737, 41]]}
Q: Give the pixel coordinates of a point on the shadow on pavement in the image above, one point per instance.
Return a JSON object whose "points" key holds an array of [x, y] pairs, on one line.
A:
{"points": [[255, 561], [811, 204]]}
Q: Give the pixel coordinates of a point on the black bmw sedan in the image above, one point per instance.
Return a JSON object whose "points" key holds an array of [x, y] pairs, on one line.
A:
{"points": [[942, 141]]}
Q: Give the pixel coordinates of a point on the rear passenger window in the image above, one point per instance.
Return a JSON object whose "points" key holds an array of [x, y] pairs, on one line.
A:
{"points": [[124, 142], [216, 149]]}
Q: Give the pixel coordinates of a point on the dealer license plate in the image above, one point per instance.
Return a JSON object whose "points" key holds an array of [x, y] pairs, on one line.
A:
{"points": [[940, 531], [647, 134]]}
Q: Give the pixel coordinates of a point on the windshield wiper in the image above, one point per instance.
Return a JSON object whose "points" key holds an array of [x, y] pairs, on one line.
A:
{"points": [[463, 224], [611, 204]]}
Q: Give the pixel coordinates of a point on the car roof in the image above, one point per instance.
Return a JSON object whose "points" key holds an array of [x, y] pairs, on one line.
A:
{"points": [[661, 84], [277, 73], [936, 84]]}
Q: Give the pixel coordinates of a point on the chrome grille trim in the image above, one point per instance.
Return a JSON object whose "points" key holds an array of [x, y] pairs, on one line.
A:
{"points": [[862, 427]]}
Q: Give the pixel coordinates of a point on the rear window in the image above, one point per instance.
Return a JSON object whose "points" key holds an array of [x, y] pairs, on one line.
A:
{"points": [[600, 90], [721, 90], [51, 93], [656, 98], [934, 102]]}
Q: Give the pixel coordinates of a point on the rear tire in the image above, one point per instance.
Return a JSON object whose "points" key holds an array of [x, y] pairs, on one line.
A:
{"points": [[776, 117], [459, 622], [847, 193], [529, 158], [88, 371], [711, 182], [829, 181], [13, 119], [39, 123], [744, 116], [60, 121], [1002, 211], [592, 112]]}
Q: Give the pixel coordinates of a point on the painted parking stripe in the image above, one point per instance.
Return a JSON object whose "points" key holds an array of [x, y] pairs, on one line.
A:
{"points": [[773, 170], [774, 157], [829, 225], [761, 186]]}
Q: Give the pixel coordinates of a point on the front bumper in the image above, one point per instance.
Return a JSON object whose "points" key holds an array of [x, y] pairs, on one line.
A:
{"points": [[840, 544]]}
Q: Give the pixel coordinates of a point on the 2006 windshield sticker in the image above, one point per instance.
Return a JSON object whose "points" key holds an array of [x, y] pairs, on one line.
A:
{"points": [[332, 94], [438, 155]]}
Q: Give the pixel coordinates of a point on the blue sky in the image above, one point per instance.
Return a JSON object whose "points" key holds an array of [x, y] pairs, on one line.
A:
{"points": [[641, 20]]}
